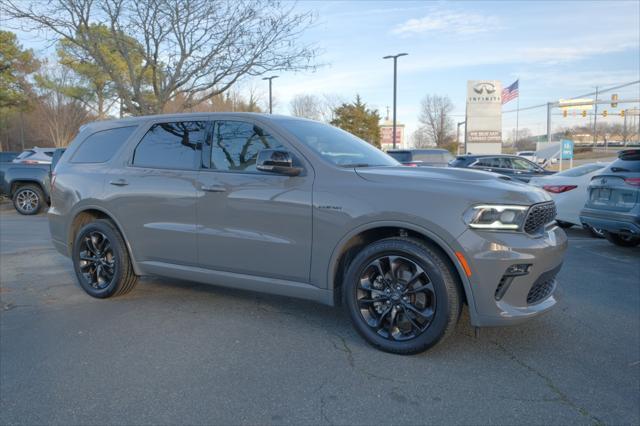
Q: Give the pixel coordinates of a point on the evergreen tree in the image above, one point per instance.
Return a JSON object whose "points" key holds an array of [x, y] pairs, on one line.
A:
{"points": [[359, 120]]}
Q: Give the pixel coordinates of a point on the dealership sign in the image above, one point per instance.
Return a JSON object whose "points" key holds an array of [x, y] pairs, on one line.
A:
{"points": [[484, 117]]}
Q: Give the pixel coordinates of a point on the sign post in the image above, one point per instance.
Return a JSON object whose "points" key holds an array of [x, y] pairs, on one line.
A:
{"points": [[566, 152]]}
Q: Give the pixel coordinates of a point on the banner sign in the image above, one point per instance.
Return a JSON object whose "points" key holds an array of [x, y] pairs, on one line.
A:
{"points": [[484, 117]]}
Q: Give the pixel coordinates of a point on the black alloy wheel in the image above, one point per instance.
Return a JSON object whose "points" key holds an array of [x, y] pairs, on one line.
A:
{"points": [[96, 261], [403, 295], [396, 298], [101, 260]]}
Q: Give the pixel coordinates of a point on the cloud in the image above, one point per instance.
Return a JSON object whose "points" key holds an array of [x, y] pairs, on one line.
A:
{"points": [[449, 22]]}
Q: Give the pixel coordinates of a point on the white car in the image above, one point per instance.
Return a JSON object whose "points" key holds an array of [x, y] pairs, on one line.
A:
{"points": [[35, 156], [569, 191]]}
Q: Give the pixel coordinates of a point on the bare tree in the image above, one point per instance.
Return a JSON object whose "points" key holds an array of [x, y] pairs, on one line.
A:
{"points": [[60, 116], [435, 119], [194, 49], [420, 138], [307, 106]]}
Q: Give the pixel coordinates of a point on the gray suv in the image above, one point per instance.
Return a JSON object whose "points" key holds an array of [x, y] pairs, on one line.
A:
{"points": [[298, 208]]}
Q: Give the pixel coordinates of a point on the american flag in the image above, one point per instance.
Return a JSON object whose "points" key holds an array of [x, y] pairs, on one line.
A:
{"points": [[510, 93]]}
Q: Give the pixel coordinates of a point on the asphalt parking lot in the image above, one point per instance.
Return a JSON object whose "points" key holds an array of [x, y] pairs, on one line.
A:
{"points": [[175, 352]]}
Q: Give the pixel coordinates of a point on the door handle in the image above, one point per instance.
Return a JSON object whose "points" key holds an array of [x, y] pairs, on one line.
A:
{"points": [[119, 182], [213, 188]]}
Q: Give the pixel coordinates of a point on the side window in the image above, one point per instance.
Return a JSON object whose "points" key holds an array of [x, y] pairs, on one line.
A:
{"points": [[236, 144], [520, 164], [172, 145], [99, 147], [488, 162]]}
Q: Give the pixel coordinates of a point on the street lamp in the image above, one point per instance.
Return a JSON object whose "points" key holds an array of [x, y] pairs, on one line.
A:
{"points": [[395, 79], [270, 78]]}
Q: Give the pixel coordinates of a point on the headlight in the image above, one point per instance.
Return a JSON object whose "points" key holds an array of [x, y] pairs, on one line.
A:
{"points": [[500, 217]]}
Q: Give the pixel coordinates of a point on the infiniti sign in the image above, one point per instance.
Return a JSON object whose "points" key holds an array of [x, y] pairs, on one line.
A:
{"points": [[484, 117], [484, 87]]}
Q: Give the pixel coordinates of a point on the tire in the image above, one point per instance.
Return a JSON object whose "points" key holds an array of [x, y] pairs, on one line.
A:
{"points": [[564, 225], [28, 199], [440, 298], [622, 240], [101, 260]]}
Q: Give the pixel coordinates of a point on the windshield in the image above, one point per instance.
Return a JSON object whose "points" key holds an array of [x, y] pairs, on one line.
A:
{"points": [[581, 170], [337, 146]]}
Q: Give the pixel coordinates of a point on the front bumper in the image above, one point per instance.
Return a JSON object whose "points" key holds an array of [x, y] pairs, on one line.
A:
{"points": [[614, 222], [490, 254]]}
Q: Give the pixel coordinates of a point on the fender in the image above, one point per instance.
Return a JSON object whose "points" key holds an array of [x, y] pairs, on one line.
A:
{"points": [[450, 252], [85, 207]]}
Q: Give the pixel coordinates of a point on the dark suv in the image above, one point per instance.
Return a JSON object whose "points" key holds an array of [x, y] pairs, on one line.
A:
{"points": [[613, 204], [509, 165]]}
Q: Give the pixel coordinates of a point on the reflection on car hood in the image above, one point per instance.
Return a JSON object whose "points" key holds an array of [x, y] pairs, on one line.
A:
{"points": [[475, 185], [441, 173]]}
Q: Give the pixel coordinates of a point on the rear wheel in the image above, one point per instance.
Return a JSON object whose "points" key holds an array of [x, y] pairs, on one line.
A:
{"points": [[622, 240], [101, 261], [28, 199], [401, 295]]}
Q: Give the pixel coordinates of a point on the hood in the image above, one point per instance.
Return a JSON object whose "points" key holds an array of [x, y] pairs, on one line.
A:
{"points": [[474, 184]]}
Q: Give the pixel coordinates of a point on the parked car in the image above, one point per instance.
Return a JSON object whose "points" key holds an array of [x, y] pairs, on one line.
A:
{"points": [[422, 157], [613, 204], [299, 208], [35, 156], [7, 156], [27, 185], [508, 165], [569, 190]]}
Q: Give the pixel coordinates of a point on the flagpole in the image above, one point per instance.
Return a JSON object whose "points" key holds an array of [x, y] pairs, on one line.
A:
{"points": [[518, 112]]}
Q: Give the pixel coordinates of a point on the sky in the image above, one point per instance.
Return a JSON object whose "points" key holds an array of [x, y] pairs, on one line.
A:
{"points": [[557, 49]]}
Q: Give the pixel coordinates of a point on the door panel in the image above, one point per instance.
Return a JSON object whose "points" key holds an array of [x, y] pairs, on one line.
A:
{"points": [[157, 209], [251, 222]]}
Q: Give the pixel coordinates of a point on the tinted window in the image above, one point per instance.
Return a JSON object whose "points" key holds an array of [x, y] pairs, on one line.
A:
{"points": [[236, 145], [581, 170], [459, 162], [172, 145], [492, 162], [100, 146], [522, 164], [403, 157], [337, 146]]}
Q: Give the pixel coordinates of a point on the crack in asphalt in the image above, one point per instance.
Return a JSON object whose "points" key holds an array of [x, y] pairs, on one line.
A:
{"points": [[562, 397]]}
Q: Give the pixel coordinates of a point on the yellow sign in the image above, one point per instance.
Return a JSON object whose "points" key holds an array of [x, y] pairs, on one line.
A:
{"points": [[580, 104], [605, 113]]}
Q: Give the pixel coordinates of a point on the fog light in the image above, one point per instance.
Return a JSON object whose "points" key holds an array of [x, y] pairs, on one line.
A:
{"points": [[518, 269]]}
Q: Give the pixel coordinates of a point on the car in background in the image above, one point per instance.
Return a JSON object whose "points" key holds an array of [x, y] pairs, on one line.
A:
{"points": [[8, 156], [613, 204], [35, 156], [422, 157], [28, 184], [569, 190], [508, 165]]}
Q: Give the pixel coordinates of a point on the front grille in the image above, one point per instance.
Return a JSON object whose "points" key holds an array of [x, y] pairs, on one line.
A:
{"points": [[543, 287], [539, 215]]}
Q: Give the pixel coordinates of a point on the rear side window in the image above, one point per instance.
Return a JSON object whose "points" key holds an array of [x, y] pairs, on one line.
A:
{"points": [[236, 145], [458, 162], [174, 145], [99, 147]]}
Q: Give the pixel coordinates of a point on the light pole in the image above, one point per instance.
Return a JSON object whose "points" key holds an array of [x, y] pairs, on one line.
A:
{"points": [[270, 104], [395, 83]]}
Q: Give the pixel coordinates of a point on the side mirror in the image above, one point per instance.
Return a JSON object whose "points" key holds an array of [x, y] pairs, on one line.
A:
{"points": [[276, 161]]}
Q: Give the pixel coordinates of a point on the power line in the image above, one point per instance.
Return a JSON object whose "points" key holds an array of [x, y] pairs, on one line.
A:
{"points": [[576, 97]]}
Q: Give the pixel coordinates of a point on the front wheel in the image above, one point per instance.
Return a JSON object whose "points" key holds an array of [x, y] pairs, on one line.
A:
{"points": [[622, 240], [402, 295], [101, 261]]}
